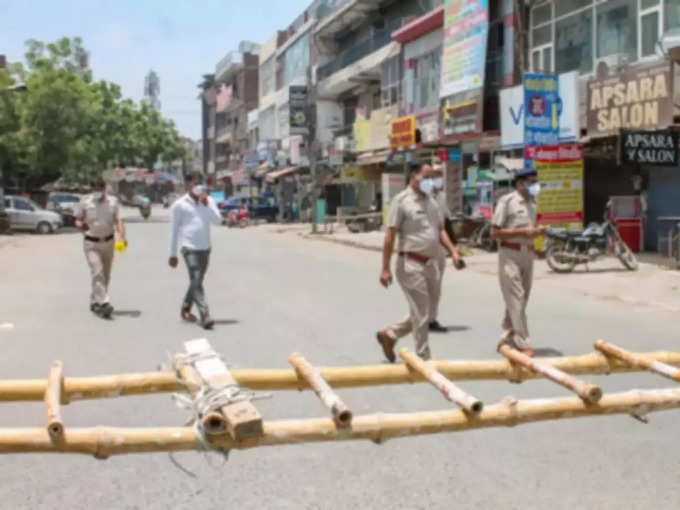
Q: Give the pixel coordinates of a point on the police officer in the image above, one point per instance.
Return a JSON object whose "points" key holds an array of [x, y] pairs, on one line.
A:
{"points": [[417, 221], [514, 225], [98, 217]]}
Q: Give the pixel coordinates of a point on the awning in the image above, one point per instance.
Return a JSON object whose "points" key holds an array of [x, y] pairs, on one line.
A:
{"points": [[510, 163], [276, 174], [420, 26], [261, 170], [373, 157]]}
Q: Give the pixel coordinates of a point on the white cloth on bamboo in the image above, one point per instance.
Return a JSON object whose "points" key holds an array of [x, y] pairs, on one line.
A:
{"points": [[191, 224]]}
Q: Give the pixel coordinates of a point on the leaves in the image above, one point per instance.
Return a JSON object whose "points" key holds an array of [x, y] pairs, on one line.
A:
{"points": [[66, 125]]}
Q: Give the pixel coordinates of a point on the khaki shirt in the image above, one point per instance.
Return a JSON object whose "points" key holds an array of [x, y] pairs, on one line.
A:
{"points": [[100, 215], [514, 211], [418, 221]]}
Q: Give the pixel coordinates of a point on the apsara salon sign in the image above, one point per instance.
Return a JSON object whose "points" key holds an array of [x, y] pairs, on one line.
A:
{"points": [[635, 99]]}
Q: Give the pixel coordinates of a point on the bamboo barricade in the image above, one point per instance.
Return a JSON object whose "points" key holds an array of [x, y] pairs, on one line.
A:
{"points": [[341, 414], [639, 361], [111, 386], [53, 399], [205, 377], [103, 442], [450, 391], [588, 392]]}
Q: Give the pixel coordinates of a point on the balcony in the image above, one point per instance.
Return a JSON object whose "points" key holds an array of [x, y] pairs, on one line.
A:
{"points": [[232, 62], [351, 55]]}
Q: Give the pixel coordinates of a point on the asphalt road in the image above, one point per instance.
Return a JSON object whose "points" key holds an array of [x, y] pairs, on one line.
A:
{"points": [[275, 294]]}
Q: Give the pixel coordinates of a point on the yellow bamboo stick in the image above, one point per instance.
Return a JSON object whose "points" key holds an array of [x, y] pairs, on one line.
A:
{"points": [[586, 391], [638, 361], [450, 391], [325, 393], [84, 388], [53, 398], [103, 442]]}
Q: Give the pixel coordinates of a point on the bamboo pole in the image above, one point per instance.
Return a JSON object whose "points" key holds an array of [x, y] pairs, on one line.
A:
{"points": [[450, 391], [53, 399], [588, 392], [638, 361], [103, 442], [341, 414], [213, 422], [110, 386]]}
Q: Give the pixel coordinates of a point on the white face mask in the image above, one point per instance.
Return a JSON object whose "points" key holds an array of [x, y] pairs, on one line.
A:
{"points": [[97, 195], [198, 190], [427, 186], [438, 183], [534, 189]]}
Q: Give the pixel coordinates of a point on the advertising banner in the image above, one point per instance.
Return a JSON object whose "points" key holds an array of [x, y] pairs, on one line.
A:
{"points": [[403, 134], [466, 27], [560, 172], [541, 104], [297, 107]]}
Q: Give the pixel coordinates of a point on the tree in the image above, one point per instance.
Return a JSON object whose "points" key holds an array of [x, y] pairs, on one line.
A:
{"points": [[66, 125]]}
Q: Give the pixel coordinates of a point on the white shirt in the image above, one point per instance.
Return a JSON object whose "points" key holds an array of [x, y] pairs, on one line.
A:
{"points": [[191, 224]]}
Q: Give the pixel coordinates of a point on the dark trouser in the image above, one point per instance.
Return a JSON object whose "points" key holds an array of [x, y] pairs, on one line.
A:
{"points": [[197, 264]]}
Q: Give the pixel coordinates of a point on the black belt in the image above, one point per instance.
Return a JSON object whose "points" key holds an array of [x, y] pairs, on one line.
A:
{"points": [[99, 239], [414, 256]]}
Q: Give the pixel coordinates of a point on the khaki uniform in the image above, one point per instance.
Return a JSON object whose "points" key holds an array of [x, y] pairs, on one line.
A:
{"points": [[101, 216], [515, 267], [418, 221]]}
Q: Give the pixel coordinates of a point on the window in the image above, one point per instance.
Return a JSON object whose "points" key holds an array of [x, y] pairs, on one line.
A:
{"points": [[671, 14], [296, 60], [541, 38], [22, 205], [568, 6], [617, 29], [267, 71], [574, 43], [649, 25], [428, 78], [541, 14], [390, 82]]}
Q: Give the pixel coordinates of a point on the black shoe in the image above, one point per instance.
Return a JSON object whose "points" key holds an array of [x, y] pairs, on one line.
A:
{"points": [[435, 327], [96, 308], [106, 310]]}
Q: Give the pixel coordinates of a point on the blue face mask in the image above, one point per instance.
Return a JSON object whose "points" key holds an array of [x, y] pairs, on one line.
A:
{"points": [[97, 195], [427, 186], [534, 189], [438, 183]]}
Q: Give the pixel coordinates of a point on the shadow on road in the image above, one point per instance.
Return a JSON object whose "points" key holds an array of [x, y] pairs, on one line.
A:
{"points": [[456, 329], [133, 314], [225, 322], [547, 352]]}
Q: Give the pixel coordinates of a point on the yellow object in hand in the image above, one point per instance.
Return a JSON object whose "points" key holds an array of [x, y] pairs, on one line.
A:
{"points": [[121, 247]]}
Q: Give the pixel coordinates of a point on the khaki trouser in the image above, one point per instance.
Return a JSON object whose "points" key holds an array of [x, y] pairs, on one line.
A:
{"points": [[515, 271], [100, 259], [419, 283], [436, 298]]}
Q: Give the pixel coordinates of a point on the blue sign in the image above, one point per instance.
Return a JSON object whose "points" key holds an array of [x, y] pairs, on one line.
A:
{"points": [[454, 155], [542, 108]]}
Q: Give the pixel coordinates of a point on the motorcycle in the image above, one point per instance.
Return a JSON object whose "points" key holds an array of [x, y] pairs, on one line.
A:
{"points": [[241, 219], [145, 211], [567, 248]]}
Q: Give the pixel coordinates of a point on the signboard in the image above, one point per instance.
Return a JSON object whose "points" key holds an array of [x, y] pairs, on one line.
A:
{"points": [[649, 148], [463, 116], [403, 134], [453, 182], [541, 110], [634, 99], [251, 159], [392, 185], [297, 108], [466, 27], [512, 112], [560, 171]]}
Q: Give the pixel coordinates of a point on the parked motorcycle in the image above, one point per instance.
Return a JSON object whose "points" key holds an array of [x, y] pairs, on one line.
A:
{"points": [[567, 248], [240, 219]]}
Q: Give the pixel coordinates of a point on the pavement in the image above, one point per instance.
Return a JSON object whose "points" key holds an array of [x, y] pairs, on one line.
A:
{"points": [[273, 293]]}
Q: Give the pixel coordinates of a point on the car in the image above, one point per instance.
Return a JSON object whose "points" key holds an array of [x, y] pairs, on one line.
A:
{"points": [[65, 204], [262, 207], [25, 214]]}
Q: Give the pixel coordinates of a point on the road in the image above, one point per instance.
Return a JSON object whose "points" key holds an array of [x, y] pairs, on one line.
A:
{"points": [[273, 294]]}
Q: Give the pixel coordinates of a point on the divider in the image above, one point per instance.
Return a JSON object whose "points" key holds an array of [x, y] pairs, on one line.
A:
{"points": [[638, 361]]}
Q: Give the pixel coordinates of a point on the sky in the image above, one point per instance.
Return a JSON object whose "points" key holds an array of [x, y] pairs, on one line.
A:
{"points": [[179, 39]]}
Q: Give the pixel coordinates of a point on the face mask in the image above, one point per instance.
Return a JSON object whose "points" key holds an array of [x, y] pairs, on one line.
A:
{"points": [[534, 189], [198, 190], [438, 183], [426, 186], [97, 195]]}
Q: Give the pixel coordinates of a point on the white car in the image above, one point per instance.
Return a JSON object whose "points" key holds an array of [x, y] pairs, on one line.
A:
{"points": [[25, 214]]}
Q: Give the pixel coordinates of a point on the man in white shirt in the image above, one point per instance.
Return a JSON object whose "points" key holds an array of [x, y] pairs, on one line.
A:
{"points": [[191, 218]]}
